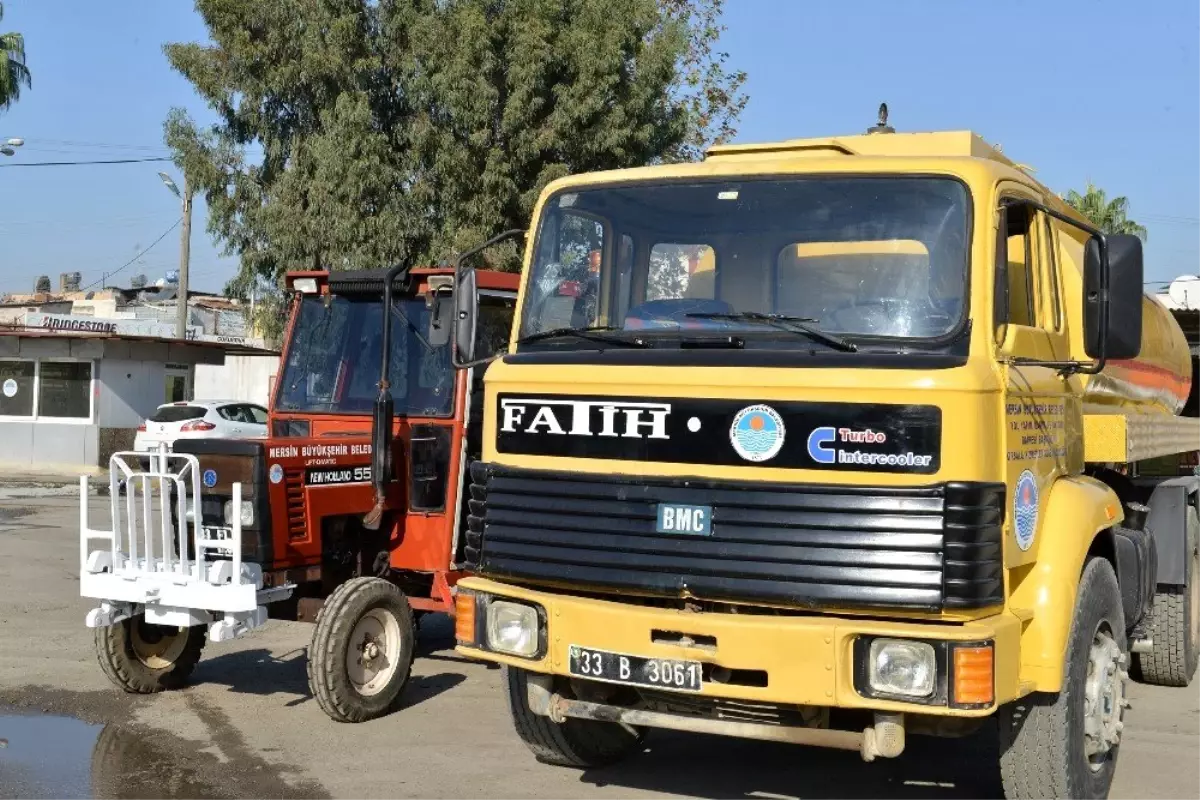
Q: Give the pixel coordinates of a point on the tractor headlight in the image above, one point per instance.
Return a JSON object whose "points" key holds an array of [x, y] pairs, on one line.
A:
{"points": [[247, 513]]}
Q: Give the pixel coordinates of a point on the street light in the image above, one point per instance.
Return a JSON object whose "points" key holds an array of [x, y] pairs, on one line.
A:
{"points": [[9, 146], [185, 252]]}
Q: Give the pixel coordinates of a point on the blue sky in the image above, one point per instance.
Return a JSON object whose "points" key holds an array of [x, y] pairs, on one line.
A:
{"points": [[1078, 89]]}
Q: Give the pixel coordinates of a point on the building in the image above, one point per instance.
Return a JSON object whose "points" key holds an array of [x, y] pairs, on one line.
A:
{"points": [[72, 395], [150, 311]]}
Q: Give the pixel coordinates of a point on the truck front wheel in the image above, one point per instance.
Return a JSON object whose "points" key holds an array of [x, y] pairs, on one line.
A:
{"points": [[143, 658], [572, 743], [1175, 623], [362, 650], [1066, 744]]}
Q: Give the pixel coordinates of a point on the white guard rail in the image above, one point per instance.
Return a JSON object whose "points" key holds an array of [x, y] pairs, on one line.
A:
{"points": [[147, 568]]}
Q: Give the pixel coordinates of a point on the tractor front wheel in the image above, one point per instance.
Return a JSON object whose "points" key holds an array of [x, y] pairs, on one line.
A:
{"points": [[362, 650]]}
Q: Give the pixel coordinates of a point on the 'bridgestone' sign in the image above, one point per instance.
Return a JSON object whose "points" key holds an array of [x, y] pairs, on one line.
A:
{"points": [[122, 327]]}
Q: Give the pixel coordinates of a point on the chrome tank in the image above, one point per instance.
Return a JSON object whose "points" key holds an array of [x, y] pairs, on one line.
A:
{"points": [[1158, 380]]}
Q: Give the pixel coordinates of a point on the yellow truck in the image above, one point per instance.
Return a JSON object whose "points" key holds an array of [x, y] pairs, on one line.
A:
{"points": [[828, 441]]}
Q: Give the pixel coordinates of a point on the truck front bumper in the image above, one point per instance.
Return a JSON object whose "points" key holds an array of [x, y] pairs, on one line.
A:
{"points": [[786, 660]]}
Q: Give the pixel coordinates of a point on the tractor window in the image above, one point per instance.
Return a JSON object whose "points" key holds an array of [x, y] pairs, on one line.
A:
{"points": [[333, 361]]}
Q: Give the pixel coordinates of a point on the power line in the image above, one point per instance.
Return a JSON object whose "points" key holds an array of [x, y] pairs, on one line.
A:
{"points": [[80, 163], [108, 275], [73, 143]]}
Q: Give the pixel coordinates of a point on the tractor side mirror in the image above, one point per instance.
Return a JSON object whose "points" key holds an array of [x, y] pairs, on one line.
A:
{"points": [[1112, 297], [466, 315], [441, 316]]}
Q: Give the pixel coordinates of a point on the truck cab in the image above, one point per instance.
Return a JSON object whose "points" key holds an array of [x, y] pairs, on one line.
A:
{"points": [[803, 443]]}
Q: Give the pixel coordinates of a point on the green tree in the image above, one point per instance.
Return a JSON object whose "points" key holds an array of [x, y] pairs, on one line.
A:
{"points": [[361, 133], [1110, 216], [13, 72]]}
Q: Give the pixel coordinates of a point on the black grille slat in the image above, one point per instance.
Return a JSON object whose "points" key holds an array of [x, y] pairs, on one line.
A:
{"points": [[809, 595], [712, 548], [643, 525], [807, 545], [722, 566]]}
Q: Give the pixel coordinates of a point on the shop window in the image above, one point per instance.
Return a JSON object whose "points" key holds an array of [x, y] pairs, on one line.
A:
{"points": [[65, 389], [16, 388]]}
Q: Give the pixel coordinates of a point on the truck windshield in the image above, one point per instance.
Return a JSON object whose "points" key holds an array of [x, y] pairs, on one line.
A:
{"points": [[333, 362], [855, 257]]}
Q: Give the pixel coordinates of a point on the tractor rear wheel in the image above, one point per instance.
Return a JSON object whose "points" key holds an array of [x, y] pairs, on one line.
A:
{"points": [[362, 650], [143, 658]]}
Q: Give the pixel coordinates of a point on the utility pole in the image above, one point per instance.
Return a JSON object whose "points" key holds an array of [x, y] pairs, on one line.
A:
{"points": [[185, 252], [185, 257]]}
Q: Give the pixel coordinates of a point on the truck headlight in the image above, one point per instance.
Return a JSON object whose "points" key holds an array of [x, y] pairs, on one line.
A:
{"points": [[247, 513], [902, 667], [513, 628]]}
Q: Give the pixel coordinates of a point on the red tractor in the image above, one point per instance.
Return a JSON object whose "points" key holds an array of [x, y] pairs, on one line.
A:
{"points": [[348, 514]]}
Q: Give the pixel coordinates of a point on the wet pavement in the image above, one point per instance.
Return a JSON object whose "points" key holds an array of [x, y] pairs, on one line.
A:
{"points": [[248, 727]]}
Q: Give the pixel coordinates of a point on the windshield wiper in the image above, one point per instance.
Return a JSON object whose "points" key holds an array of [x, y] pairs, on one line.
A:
{"points": [[595, 333], [784, 322]]}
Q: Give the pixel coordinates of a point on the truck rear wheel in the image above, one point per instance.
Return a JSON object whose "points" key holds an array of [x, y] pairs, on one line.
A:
{"points": [[143, 658], [1066, 744], [362, 650], [571, 743], [1175, 623]]}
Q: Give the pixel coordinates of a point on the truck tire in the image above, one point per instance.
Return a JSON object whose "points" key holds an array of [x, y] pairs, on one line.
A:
{"points": [[362, 650], [1175, 623], [142, 658], [572, 743], [1066, 744]]}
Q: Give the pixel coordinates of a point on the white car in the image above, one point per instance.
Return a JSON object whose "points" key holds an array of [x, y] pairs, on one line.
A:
{"points": [[201, 419]]}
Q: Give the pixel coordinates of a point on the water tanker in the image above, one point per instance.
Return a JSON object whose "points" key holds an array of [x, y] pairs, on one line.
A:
{"points": [[829, 441]]}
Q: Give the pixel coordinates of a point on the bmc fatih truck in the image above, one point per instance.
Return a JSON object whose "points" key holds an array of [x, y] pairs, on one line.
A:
{"points": [[827, 441]]}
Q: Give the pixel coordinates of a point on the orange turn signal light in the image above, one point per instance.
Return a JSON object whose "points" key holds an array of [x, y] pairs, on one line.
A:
{"points": [[464, 617], [974, 675]]}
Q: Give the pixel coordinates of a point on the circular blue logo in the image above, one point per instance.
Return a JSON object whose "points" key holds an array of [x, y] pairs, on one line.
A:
{"points": [[209, 477], [1025, 509], [757, 433], [276, 473]]}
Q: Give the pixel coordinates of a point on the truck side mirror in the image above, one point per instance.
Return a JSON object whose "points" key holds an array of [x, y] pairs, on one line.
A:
{"points": [[466, 315], [1112, 302]]}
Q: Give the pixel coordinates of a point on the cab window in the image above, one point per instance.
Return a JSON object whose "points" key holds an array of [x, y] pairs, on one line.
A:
{"points": [[1014, 269]]}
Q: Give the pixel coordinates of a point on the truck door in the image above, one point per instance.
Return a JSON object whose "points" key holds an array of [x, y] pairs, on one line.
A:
{"points": [[1042, 417]]}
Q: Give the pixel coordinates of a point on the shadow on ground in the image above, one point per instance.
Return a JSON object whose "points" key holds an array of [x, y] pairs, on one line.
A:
{"points": [[717, 767], [260, 672]]}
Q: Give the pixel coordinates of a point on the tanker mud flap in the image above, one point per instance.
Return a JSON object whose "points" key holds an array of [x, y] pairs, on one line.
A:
{"points": [[143, 567]]}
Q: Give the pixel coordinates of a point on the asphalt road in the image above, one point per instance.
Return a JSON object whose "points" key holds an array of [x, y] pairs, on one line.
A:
{"points": [[247, 727]]}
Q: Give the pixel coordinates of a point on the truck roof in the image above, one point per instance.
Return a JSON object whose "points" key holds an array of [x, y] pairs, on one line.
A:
{"points": [[837, 153]]}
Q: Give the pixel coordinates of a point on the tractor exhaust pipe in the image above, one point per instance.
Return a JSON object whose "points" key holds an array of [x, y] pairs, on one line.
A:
{"points": [[382, 415]]}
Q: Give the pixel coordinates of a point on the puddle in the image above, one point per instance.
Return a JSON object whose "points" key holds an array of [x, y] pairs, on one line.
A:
{"points": [[47, 756]]}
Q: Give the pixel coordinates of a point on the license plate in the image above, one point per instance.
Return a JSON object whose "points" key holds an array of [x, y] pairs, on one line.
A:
{"points": [[686, 520], [654, 673], [220, 534]]}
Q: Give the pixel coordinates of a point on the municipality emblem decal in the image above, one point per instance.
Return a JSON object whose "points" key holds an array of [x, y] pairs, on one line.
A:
{"points": [[1025, 509], [757, 433]]}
